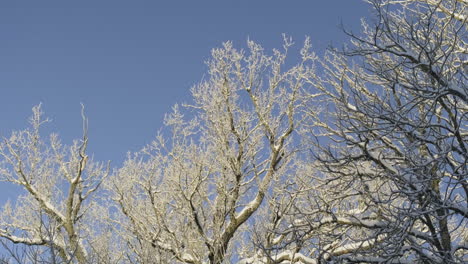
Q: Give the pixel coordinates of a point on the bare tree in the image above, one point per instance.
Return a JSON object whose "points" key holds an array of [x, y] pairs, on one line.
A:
{"points": [[58, 183], [192, 193], [387, 183], [360, 157], [390, 143]]}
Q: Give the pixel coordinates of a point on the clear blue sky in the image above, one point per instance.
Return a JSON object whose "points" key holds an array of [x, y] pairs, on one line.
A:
{"points": [[130, 61]]}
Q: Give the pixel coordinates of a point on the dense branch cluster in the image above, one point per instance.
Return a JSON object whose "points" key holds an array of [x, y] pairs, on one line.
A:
{"points": [[356, 157]]}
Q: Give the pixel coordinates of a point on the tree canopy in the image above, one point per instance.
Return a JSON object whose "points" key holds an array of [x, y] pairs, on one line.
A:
{"points": [[357, 156]]}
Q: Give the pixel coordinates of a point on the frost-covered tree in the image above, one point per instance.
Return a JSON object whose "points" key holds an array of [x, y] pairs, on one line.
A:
{"points": [[389, 178], [192, 194], [54, 210], [358, 157]]}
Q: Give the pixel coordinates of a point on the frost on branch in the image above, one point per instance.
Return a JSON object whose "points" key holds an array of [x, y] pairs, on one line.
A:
{"points": [[189, 196], [390, 146], [58, 183], [357, 157]]}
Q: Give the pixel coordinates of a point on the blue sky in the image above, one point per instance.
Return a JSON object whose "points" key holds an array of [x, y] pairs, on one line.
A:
{"points": [[130, 61]]}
